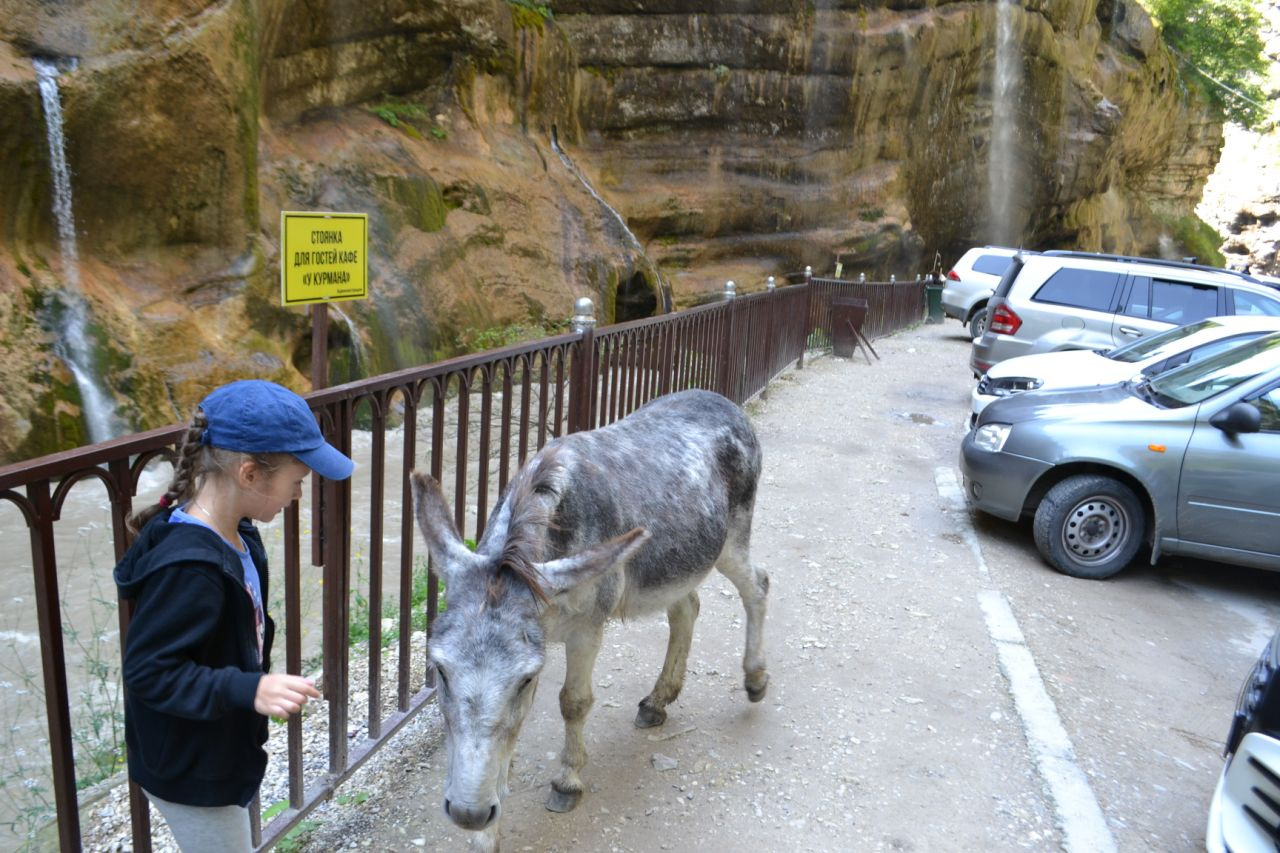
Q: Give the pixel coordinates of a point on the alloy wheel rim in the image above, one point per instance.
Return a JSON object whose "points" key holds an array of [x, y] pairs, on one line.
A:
{"points": [[1094, 529]]}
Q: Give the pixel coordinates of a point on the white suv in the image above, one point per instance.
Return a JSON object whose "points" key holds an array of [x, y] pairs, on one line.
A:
{"points": [[970, 284], [1082, 300]]}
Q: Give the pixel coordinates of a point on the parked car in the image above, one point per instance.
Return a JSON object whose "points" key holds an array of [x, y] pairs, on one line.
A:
{"points": [[1187, 462], [1243, 812], [1080, 300], [970, 284], [1146, 356]]}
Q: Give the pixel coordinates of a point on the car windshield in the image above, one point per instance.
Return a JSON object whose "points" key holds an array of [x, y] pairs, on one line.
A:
{"points": [[1158, 346], [1200, 380]]}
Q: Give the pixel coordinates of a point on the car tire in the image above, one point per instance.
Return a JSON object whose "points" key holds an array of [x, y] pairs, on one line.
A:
{"points": [[978, 323], [1089, 526]]}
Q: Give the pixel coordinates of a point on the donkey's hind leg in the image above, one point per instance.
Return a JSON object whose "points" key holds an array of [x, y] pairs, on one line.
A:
{"points": [[753, 585], [680, 619]]}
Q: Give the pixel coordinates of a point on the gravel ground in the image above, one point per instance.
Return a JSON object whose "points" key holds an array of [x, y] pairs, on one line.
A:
{"points": [[887, 725]]}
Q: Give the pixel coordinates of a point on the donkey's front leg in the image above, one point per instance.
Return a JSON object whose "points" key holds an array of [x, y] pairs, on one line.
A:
{"points": [[680, 619], [580, 652]]}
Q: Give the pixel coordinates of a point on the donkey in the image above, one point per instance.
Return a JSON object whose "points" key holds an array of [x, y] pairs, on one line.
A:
{"points": [[611, 523]]}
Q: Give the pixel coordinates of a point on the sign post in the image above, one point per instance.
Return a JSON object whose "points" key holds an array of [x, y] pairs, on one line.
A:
{"points": [[324, 257]]}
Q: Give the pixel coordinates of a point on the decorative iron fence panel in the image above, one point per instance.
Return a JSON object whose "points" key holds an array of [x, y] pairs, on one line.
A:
{"points": [[477, 419]]}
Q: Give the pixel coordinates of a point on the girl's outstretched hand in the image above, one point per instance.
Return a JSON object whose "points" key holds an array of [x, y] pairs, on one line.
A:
{"points": [[280, 695]]}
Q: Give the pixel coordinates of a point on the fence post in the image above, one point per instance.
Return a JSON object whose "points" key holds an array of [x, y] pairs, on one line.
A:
{"points": [[732, 368], [335, 631], [582, 374]]}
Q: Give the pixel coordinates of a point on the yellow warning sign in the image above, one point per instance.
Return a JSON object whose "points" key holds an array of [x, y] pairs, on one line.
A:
{"points": [[324, 257]]}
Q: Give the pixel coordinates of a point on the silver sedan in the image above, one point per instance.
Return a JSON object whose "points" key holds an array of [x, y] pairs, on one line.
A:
{"points": [[1187, 462]]}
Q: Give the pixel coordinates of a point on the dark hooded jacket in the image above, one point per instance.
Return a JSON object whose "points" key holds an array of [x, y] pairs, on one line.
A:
{"points": [[191, 666]]}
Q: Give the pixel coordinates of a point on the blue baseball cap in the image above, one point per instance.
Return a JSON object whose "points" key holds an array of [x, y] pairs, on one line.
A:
{"points": [[256, 416]]}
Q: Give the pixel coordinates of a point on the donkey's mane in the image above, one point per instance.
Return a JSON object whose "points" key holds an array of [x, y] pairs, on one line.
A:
{"points": [[530, 518]]}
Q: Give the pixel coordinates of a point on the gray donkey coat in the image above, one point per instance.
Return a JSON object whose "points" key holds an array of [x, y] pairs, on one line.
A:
{"points": [[613, 523]]}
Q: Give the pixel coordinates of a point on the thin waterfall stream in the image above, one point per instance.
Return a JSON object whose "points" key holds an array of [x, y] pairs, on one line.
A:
{"points": [[358, 355], [73, 345], [663, 285], [1002, 165], [573, 170]]}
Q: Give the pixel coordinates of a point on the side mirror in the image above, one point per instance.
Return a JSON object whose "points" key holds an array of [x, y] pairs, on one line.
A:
{"points": [[1237, 418]]}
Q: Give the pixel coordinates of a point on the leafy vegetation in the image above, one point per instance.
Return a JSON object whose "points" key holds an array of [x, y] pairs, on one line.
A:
{"points": [[529, 14], [1219, 43], [405, 115], [295, 839], [479, 340]]}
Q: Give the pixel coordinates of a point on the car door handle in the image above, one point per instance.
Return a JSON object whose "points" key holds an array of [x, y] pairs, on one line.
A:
{"points": [[1131, 331]]}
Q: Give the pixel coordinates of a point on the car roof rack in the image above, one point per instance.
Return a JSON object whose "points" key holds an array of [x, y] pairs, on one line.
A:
{"points": [[1131, 259]]}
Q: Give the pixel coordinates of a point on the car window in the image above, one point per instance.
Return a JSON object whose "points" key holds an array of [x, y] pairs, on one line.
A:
{"points": [[1200, 380], [1182, 302], [1091, 289], [1197, 353], [1255, 304], [1138, 302], [992, 264], [1153, 346], [1268, 403]]}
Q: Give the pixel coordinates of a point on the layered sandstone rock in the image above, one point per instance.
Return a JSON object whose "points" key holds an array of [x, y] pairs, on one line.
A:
{"points": [[737, 138]]}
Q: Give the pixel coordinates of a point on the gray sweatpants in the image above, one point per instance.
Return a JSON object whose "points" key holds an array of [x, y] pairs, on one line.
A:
{"points": [[206, 829]]}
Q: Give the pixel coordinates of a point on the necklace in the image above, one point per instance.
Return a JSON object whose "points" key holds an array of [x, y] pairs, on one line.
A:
{"points": [[214, 523]]}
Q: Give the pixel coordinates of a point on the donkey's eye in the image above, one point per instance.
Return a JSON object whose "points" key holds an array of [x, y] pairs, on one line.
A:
{"points": [[524, 685], [444, 682]]}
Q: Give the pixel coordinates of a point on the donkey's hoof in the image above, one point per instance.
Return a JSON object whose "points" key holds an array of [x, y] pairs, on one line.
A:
{"points": [[562, 801], [756, 685], [648, 716]]}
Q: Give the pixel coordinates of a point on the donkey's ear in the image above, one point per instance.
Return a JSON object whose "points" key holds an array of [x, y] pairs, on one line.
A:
{"points": [[436, 523], [564, 574]]}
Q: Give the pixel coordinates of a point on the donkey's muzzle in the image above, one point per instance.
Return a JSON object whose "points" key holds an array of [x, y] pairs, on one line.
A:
{"points": [[470, 816]]}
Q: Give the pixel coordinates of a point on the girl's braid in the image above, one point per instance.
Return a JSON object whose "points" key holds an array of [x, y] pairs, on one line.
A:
{"points": [[185, 474]]}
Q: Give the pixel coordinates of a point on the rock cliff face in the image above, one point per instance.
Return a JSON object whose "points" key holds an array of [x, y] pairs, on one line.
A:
{"points": [[736, 138]]}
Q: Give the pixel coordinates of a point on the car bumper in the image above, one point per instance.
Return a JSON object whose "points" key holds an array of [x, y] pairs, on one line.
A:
{"points": [[998, 483], [954, 303], [991, 349], [1246, 785], [980, 355]]}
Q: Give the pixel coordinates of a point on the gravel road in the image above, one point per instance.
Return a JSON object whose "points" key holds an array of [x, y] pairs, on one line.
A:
{"points": [[934, 685]]}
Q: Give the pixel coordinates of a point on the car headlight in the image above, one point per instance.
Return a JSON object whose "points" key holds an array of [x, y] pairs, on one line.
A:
{"points": [[991, 437], [1007, 386]]}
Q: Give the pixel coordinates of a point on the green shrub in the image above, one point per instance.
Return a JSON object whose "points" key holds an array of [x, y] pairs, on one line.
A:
{"points": [[1219, 42]]}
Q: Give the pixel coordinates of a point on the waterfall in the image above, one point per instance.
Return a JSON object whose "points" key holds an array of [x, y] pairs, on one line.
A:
{"points": [[663, 285], [573, 170], [1002, 164], [73, 345], [358, 356]]}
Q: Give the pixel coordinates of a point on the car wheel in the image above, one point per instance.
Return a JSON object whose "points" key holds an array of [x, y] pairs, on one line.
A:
{"points": [[978, 323], [1089, 526]]}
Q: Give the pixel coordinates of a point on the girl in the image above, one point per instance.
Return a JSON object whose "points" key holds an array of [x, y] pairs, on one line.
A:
{"points": [[198, 649]]}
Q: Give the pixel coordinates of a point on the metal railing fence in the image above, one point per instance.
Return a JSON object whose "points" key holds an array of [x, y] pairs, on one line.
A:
{"points": [[477, 419]]}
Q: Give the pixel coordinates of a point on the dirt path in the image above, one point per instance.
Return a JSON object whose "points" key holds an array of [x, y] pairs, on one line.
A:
{"points": [[934, 685], [886, 725]]}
